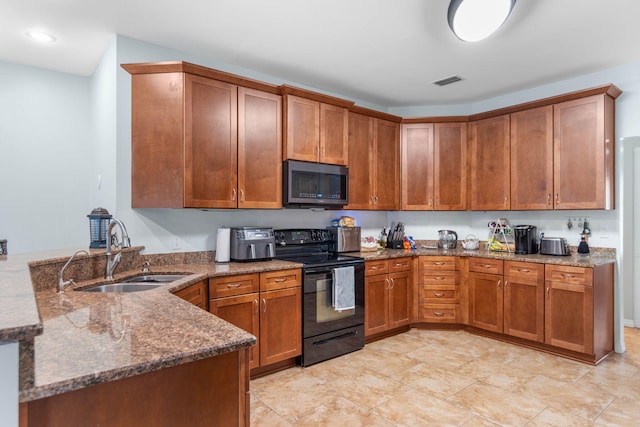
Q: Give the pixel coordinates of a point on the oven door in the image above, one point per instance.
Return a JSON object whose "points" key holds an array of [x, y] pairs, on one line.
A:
{"points": [[318, 313]]}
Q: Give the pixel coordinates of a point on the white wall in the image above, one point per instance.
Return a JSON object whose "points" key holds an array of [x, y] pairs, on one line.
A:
{"points": [[45, 160]]}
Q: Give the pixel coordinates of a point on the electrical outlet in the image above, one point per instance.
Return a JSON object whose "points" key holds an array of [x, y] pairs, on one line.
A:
{"points": [[177, 245]]}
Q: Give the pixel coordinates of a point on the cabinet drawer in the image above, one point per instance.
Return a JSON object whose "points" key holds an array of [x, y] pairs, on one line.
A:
{"points": [[371, 268], [439, 278], [399, 264], [439, 313], [445, 294], [485, 265], [438, 263], [524, 270], [226, 286], [282, 279], [567, 274]]}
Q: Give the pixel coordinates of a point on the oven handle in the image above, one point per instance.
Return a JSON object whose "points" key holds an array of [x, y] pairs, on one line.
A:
{"points": [[339, 337], [329, 268]]}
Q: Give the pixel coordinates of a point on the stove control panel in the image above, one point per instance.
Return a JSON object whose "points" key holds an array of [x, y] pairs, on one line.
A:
{"points": [[303, 236]]}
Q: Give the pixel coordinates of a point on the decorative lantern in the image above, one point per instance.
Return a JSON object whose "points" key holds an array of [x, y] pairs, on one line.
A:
{"points": [[99, 219]]}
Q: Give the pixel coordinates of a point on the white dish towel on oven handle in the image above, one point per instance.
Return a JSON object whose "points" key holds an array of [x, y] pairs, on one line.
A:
{"points": [[344, 289]]}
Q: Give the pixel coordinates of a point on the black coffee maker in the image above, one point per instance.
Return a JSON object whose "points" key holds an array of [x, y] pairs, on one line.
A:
{"points": [[526, 237]]}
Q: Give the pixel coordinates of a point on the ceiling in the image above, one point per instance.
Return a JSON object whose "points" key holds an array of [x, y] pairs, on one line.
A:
{"points": [[386, 52]]}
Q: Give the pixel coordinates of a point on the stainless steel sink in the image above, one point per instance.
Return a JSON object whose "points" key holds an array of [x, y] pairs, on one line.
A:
{"points": [[139, 283], [155, 278], [121, 287]]}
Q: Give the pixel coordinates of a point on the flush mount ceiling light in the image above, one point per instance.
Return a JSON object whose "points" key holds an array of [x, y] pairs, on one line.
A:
{"points": [[40, 36], [475, 20]]}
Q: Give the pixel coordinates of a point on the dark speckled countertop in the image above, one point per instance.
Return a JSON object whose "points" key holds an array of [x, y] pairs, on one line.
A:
{"points": [[76, 339]]}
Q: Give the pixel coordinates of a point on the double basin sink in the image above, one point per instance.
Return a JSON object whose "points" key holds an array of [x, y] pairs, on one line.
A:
{"points": [[136, 284]]}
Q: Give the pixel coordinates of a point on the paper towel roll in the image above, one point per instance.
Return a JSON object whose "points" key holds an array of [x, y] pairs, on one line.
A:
{"points": [[222, 244]]}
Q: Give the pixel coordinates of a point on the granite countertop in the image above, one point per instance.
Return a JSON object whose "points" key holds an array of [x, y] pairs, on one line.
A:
{"points": [[595, 258], [77, 339]]}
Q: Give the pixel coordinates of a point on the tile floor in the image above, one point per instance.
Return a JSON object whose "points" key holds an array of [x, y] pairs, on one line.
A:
{"points": [[453, 378]]}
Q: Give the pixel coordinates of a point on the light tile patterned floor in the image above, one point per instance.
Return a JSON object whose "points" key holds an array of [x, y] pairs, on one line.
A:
{"points": [[452, 378]]}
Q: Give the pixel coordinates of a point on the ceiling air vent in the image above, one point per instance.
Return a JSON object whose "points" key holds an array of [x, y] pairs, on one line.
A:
{"points": [[448, 81]]}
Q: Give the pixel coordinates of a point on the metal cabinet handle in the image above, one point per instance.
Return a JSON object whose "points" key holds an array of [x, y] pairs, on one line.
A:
{"points": [[234, 193], [557, 199], [280, 280], [388, 284], [376, 199], [547, 292], [233, 285], [523, 270], [264, 305], [548, 198], [506, 200], [438, 263], [438, 313], [437, 201], [241, 195], [255, 302], [506, 282], [430, 201], [438, 294], [393, 283], [499, 283], [438, 278]]}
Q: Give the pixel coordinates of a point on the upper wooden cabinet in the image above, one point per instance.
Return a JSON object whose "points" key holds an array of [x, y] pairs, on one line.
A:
{"points": [[374, 166], [434, 166], [490, 164], [584, 151], [315, 131], [199, 140], [532, 159]]}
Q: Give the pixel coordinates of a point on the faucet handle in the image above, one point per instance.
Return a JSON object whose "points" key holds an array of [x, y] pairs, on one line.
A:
{"points": [[145, 267]]}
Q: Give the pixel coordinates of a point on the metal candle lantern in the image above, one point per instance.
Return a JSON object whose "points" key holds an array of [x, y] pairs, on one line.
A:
{"points": [[99, 219]]}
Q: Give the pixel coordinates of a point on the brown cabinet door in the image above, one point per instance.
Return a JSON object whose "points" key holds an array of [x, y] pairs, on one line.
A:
{"points": [[360, 161], [376, 315], [210, 143], [532, 159], [524, 308], [485, 301], [581, 165], [280, 325], [302, 124], [450, 167], [196, 294], [259, 149], [241, 311], [400, 292], [386, 180], [334, 134], [490, 170], [417, 166], [569, 316]]}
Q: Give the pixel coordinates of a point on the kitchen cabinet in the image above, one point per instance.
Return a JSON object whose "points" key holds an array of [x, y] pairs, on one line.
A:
{"points": [[374, 166], [507, 297], [579, 309], [196, 294], [524, 300], [584, 151], [388, 294], [439, 289], [434, 166], [267, 305], [201, 140], [315, 131], [485, 294], [489, 150], [532, 159]]}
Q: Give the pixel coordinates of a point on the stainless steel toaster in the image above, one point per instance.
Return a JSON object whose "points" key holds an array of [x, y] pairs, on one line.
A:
{"points": [[344, 239], [554, 246]]}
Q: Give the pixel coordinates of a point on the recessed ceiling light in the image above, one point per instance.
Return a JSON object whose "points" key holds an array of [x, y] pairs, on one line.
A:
{"points": [[475, 20], [41, 36]]}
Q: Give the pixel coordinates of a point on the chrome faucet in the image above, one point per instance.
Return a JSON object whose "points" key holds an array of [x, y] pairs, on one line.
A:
{"points": [[61, 282], [114, 260]]}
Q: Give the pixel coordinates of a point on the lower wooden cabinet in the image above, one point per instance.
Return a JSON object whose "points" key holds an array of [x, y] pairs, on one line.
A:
{"points": [[196, 294], [267, 305], [579, 309], [388, 294], [486, 294], [438, 289]]}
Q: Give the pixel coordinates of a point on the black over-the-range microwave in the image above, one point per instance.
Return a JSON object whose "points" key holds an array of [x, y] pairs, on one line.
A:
{"points": [[307, 184]]}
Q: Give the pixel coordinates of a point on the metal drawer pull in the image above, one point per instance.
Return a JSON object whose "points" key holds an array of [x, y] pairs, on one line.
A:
{"points": [[234, 285], [281, 280], [399, 265], [438, 263], [438, 313], [393, 283], [499, 283], [437, 294], [255, 301], [485, 265], [376, 267], [388, 284], [523, 270], [567, 275], [264, 305], [438, 278]]}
